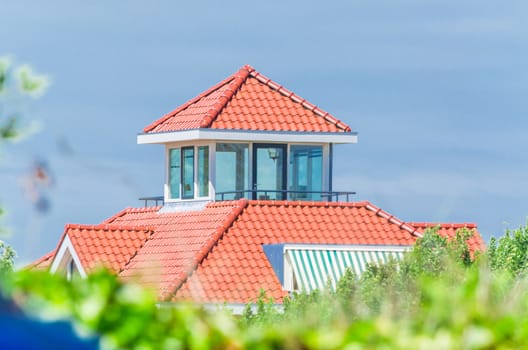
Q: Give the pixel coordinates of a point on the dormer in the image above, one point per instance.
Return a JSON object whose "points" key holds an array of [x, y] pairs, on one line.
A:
{"points": [[247, 137]]}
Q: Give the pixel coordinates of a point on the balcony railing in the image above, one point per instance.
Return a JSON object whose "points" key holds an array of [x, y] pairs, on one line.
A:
{"points": [[155, 199], [317, 196]]}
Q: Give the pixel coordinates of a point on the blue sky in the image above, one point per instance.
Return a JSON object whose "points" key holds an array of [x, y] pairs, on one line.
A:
{"points": [[435, 89]]}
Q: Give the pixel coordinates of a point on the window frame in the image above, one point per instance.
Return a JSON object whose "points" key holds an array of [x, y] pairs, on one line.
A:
{"points": [[183, 166], [246, 177], [169, 198], [210, 193], [293, 170]]}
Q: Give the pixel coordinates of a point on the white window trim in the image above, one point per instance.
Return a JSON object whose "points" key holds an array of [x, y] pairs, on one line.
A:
{"points": [[212, 164], [64, 256], [212, 176], [325, 177], [180, 145]]}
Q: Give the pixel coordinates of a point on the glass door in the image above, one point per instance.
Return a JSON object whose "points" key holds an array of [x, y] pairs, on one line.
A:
{"points": [[269, 171]]}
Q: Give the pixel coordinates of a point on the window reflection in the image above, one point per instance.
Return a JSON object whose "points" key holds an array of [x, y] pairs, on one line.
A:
{"points": [[270, 167], [306, 172], [174, 173], [188, 172], [203, 171], [232, 169]]}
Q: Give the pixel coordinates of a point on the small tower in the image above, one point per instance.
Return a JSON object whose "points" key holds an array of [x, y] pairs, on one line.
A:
{"points": [[247, 137]]}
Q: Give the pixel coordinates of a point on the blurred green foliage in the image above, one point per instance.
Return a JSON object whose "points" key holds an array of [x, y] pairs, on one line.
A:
{"points": [[438, 297], [16, 82], [510, 252], [7, 258]]}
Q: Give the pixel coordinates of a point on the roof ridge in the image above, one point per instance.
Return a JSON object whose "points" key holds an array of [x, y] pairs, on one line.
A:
{"points": [[227, 203], [300, 203], [184, 106], [130, 210], [115, 216], [147, 238], [444, 225], [204, 251], [45, 257], [236, 82], [393, 220], [109, 227], [296, 98]]}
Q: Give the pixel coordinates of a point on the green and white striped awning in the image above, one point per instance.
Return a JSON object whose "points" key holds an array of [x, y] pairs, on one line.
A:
{"points": [[313, 268]]}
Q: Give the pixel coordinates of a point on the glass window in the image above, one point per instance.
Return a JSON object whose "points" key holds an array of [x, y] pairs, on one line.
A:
{"points": [[174, 173], [306, 172], [269, 171], [203, 171], [188, 172], [232, 170]]}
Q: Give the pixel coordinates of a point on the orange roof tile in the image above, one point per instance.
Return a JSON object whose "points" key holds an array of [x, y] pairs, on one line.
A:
{"points": [[180, 241], [43, 263], [216, 255], [106, 245], [247, 100], [238, 268]]}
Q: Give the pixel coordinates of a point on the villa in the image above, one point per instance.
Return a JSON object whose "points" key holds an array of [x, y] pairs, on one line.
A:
{"points": [[248, 203]]}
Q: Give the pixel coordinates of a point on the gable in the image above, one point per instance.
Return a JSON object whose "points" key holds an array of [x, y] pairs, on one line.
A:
{"points": [[92, 246], [66, 260], [111, 246]]}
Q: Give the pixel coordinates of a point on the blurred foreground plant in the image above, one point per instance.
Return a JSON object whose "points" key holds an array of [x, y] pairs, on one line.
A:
{"points": [[437, 297], [17, 82]]}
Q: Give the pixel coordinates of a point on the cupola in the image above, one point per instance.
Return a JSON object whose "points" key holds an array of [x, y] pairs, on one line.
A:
{"points": [[247, 137]]}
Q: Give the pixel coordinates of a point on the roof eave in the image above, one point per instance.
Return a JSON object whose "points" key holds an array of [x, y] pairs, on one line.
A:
{"points": [[247, 135]]}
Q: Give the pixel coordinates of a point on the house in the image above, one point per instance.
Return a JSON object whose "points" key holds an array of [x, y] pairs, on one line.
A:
{"points": [[248, 203]]}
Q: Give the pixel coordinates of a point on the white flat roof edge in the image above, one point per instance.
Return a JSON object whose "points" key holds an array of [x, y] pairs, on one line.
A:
{"points": [[247, 135]]}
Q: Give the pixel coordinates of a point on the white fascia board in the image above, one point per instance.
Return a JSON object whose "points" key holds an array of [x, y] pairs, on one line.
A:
{"points": [[349, 247], [67, 247], [247, 135]]}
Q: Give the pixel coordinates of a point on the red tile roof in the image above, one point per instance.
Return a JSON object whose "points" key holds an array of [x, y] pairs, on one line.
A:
{"points": [[247, 100], [238, 267], [179, 242], [216, 255], [43, 263], [106, 245]]}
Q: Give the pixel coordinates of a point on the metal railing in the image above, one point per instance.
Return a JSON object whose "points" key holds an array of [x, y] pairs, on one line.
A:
{"points": [[293, 195], [155, 199], [329, 196]]}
